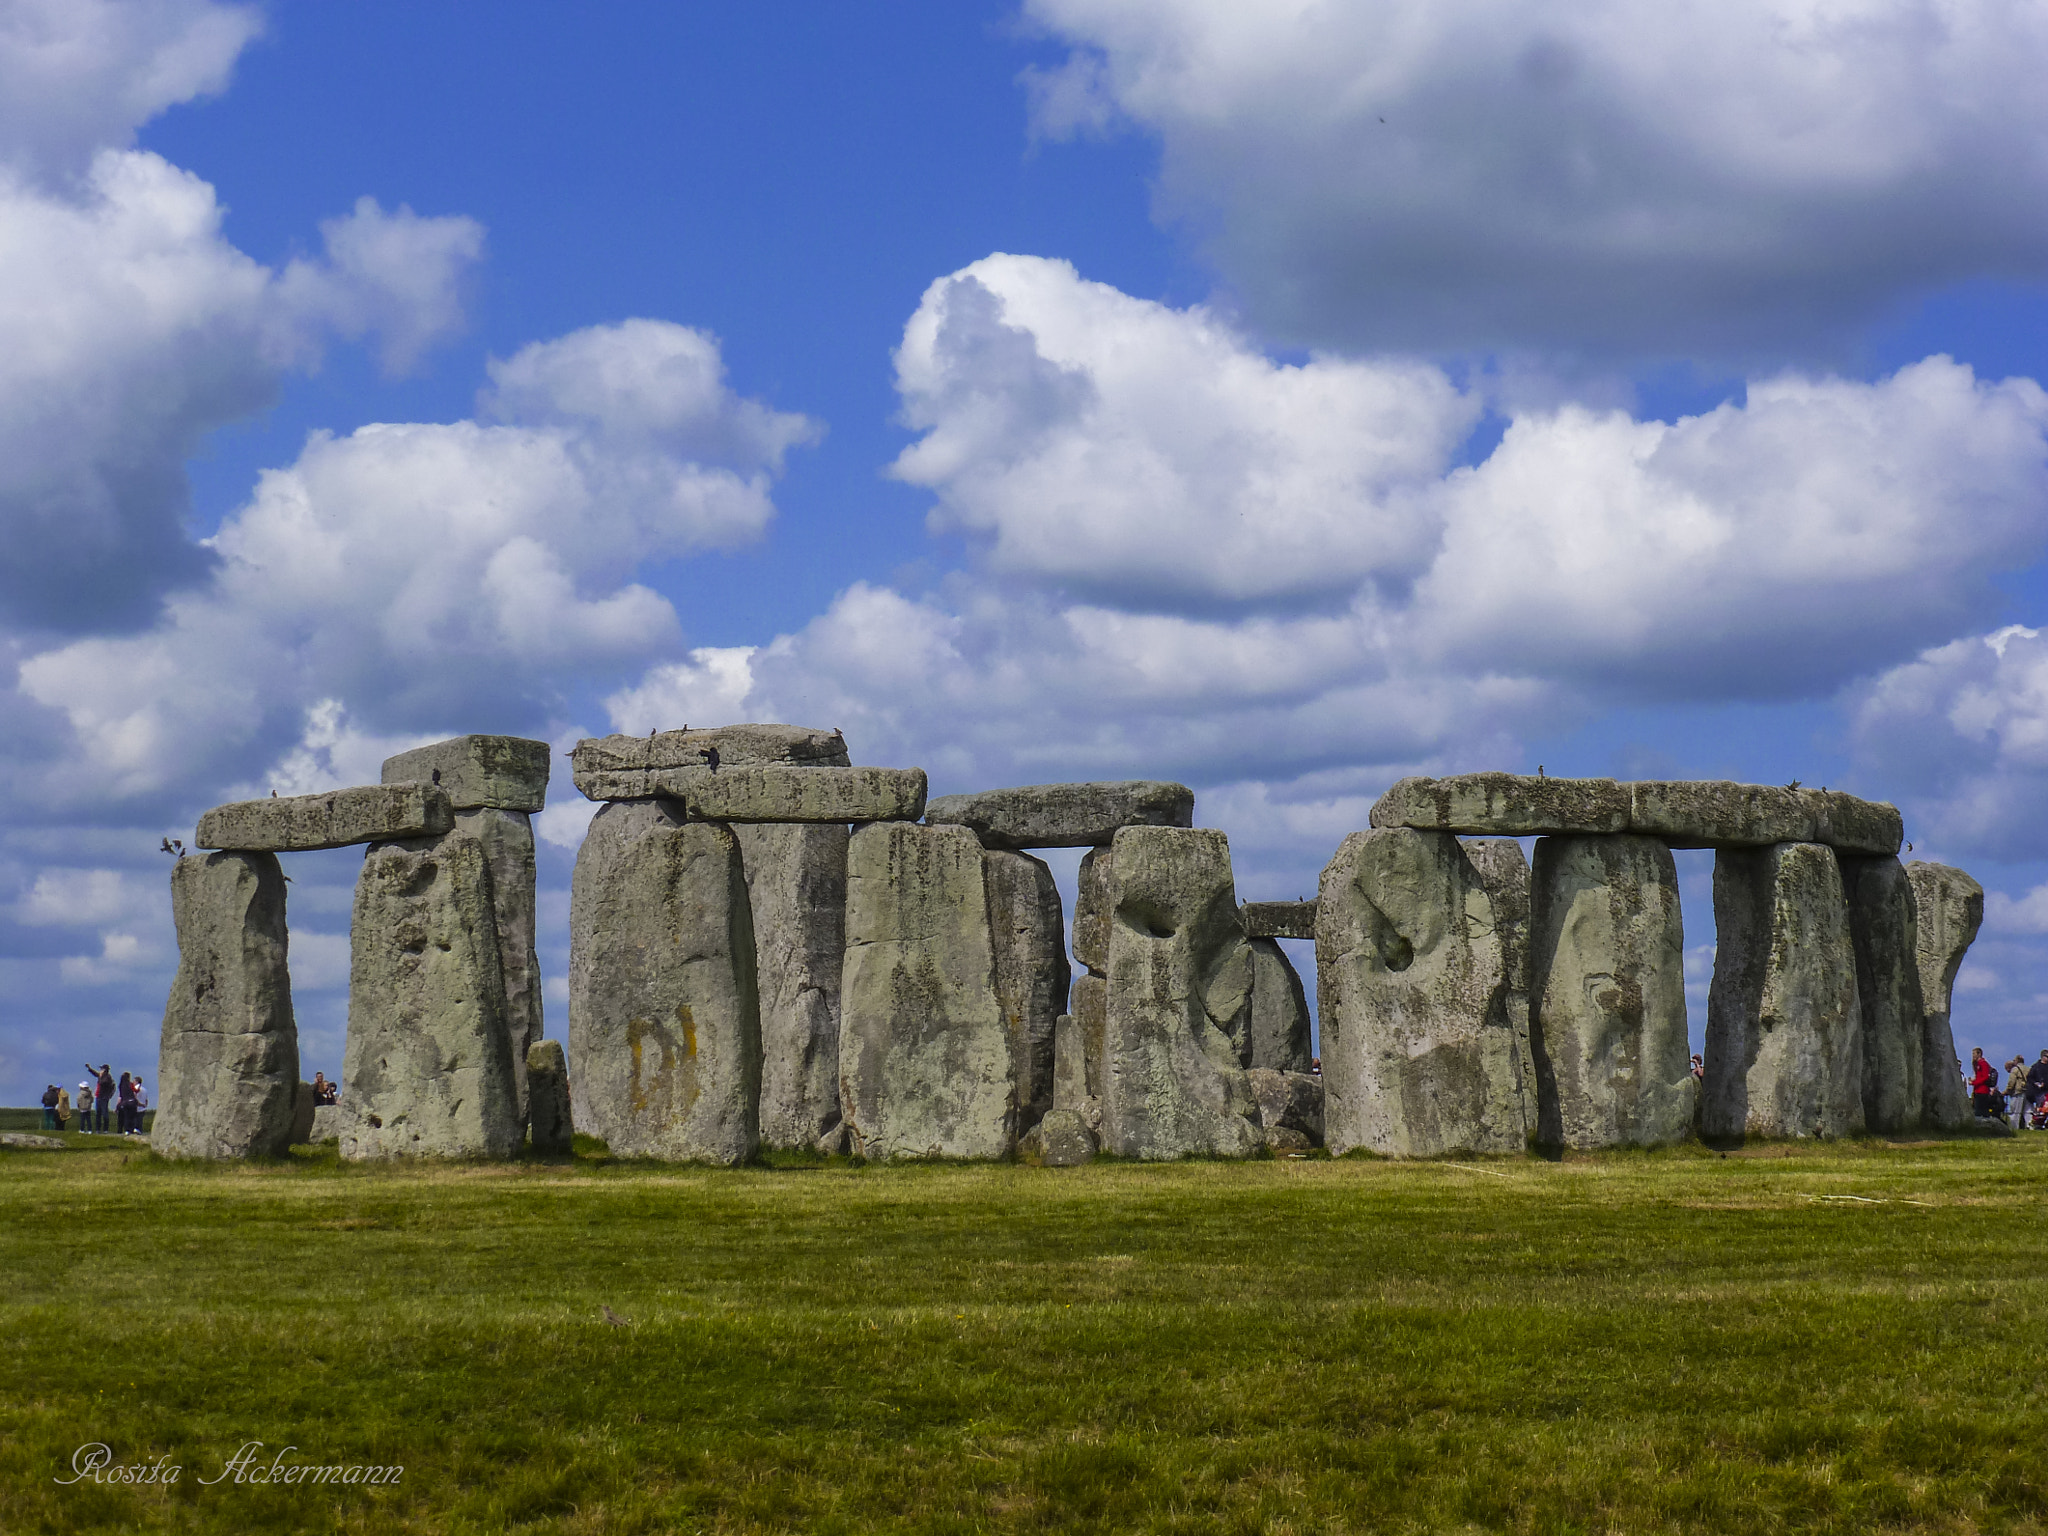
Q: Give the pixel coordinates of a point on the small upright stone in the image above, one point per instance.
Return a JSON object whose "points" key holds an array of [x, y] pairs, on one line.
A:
{"points": [[1070, 1079], [337, 818], [1179, 1000], [228, 1066], [1504, 871], [1949, 909], [1504, 805], [796, 886], [1883, 928], [547, 1089], [1088, 997], [500, 773], [1029, 930], [1290, 1108], [427, 1071], [664, 1015], [926, 1060], [1061, 1140], [1281, 1038], [1784, 1024], [1064, 815], [1418, 1051]]}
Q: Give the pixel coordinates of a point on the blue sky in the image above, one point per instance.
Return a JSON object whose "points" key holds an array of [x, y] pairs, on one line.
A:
{"points": [[1278, 397]]}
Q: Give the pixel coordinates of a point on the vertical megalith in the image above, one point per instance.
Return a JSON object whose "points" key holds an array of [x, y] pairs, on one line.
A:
{"points": [[1784, 1026], [1028, 927], [1607, 992], [796, 886], [547, 1098], [1280, 1037], [506, 838], [927, 1065], [1411, 982], [1884, 931], [228, 1066], [1504, 871], [1948, 911], [427, 1071], [1178, 1000], [664, 1018], [1091, 912]]}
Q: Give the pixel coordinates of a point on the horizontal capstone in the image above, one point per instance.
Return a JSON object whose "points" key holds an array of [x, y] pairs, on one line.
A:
{"points": [[771, 792], [501, 773], [1279, 919], [737, 746], [368, 813], [1064, 815]]}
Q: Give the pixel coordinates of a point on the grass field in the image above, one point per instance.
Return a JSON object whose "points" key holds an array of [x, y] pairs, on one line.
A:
{"points": [[1678, 1341]]}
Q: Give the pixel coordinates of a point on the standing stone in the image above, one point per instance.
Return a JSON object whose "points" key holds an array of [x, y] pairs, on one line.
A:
{"points": [[427, 1071], [506, 838], [1883, 928], [664, 1016], [1029, 930], [796, 887], [1504, 871], [547, 1086], [1949, 909], [1418, 1052], [1179, 1000], [1091, 911], [1070, 1075], [1607, 979], [228, 1066], [303, 1107], [926, 1061], [1784, 1025], [1280, 1037], [1089, 1000]]}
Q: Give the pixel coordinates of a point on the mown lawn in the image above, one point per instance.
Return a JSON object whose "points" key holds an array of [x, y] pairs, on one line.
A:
{"points": [[1678, 1341]]}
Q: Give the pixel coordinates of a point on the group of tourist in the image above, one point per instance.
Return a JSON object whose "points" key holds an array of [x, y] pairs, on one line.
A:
{"points": [[2023, 1101], [97, 1091]]}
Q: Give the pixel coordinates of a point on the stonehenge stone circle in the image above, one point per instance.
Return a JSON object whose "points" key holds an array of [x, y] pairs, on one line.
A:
{"points": [[1504, 871], [1784, 1023], [1884, 930], [1179, 1000], [228, 1064], [1948, 911], [664, 1012], [1280, 1036], [498, 773], [927, 1064], [796, 889], [1028, 928], [1418, 1051], [1279, 919], [1607, 995], [1064, 815], [547, 1080], [771, 792], [304, 823], [428, 1064]]}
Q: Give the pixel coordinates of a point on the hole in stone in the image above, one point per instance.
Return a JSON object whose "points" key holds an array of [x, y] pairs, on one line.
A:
{"points": [[376, 1124], [1145, 918]]}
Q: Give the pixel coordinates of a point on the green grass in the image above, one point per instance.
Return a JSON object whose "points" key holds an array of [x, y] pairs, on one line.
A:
{"points": [[1666, 1342]]}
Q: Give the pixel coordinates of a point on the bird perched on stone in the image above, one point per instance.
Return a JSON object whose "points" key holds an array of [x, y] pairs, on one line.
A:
{"points": [[710, 755], [614, 1319], [273, 794], [437, 775]]}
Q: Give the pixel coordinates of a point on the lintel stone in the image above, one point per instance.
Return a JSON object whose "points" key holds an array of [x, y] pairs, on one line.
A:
{"points": [[771, 792], [737, 746], [1279, 919], [498, 773], [368, 813], [1064, 815]]}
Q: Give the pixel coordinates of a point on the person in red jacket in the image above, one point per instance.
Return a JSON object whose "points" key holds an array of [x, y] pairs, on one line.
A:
{"points": [[1984, 1095]]}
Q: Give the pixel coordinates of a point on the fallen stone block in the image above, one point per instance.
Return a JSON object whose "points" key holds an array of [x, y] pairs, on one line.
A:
{"points": [[839, 795], [25, 1141], [1179, 1000], [427, 1070], [1418, 1050], [1060, 1140], [1504, 805], [1028, 928], [506, 838], [1282, 1034], [1948, 911], [1279, 919], [1882, 928], [369, 813], [1612, 1058], [500, 773], [926, 1059], [552, 1129], [796, 887], [664, 1011], [617, 758], [1784, 1023], [228, 1064], [1064, 815], [329, 1120], [1288, 1101]]}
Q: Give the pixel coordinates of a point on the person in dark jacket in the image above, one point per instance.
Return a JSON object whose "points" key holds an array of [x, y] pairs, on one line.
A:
{"points": [[50, 1108], [125, 1113], [2037, 1082], [102, 1095]]}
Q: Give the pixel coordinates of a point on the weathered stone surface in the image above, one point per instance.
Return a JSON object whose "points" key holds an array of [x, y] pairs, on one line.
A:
{"points": [[547, 1098], [1948, 911], [1290, 1101], [506, 838], [228, 1066], [1504, 804], [1504, 872], [1073, 1086], [1279, 919], [1611, 1054], [1088, 1002], [1712, 813], [1179, 1000], [796, 885], [427, 1071], [772, 793], [1784, 1024], [1850, 825], [926, 1061], [1091, 911], [1061, 1140], [1883, 929], [664, 1012], [500, 773], [1028, 927], [1064, 815], [24, 1141], [737, 746], [369, 813], [302, 1115], [1281, 1036], [329, 1120], [1418, 1051]]}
